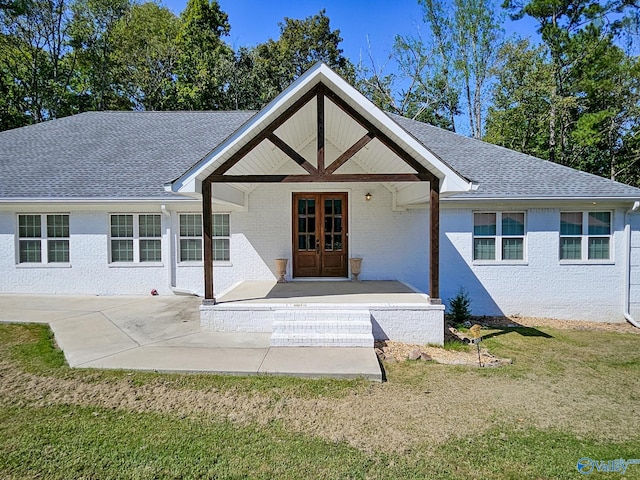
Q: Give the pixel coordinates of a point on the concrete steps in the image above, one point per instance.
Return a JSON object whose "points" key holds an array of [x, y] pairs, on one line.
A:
{"points": [[310, 327]]}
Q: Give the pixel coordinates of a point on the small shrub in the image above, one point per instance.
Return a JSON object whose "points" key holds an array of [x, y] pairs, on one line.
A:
{"points": [[460, 307]]}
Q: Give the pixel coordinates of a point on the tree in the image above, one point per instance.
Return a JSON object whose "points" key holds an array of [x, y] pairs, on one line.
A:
{"points": [[203, 57], [92, 37], [454, 61], [145, 56], [37, 58], [563, 25], [415, 90], [520, 100], [301, 44]]}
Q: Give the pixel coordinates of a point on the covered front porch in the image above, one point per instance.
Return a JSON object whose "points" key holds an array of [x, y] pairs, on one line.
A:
{"points": [[327, 313], [318, 177]]}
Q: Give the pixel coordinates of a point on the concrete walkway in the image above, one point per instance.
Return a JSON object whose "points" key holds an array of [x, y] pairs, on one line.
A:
{"points": [[163, 334]]}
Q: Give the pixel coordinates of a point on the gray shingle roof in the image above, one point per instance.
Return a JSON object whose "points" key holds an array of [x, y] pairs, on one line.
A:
{"points": [[503, 173], [132, 154], [109, 154]]}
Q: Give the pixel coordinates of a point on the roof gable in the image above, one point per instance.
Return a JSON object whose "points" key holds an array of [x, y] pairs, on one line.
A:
{"points": [[289, 123]]}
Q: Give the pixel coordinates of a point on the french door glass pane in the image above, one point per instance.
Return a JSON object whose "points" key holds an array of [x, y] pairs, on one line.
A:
{"points": [[30, 251], [29, 226], [122, 250], [484, 223], [328, 244], [512, 249], [570, 248], [328, 207], [484, 248], [571, 223], [599, 248], [58, 251]]}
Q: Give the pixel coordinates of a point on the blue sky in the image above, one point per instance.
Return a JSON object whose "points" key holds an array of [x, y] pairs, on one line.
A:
{"points": [[255, 21]]}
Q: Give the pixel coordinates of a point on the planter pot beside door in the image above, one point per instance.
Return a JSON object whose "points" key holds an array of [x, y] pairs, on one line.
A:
{"points": [[281, 269], [356, 266]]}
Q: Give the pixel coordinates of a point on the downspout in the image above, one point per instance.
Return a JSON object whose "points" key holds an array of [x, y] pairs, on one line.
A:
{"points": [[627, 275], [172, 257]]}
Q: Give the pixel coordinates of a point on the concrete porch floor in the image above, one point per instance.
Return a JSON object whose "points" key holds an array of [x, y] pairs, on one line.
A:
{"points": [[163, 334], [326, 292]]}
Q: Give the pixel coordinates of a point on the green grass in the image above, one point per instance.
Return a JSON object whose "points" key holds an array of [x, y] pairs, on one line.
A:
{"points": [[597, 371]]}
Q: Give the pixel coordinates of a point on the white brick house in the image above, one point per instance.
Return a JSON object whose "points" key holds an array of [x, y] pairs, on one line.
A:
{"points": [[111, 203]]}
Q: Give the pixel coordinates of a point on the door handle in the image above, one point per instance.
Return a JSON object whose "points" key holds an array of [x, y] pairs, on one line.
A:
{"points": [[317, 245]]}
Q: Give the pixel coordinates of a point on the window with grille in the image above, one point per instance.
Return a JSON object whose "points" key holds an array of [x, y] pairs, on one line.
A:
{"points": [[43, 238], [585, 236], [136, 238], [499, 236]]}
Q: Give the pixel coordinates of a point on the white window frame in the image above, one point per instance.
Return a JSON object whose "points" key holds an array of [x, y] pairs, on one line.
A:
{"points": [[189, 237], [584, 238], [498, 237], [43, 239], [136, 238]]}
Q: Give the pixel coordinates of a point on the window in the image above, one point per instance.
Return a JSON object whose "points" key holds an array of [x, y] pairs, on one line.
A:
{"points": [[221, 237], [43, 238], [136, 238], [585, 235], [191, 237], [498, 236]]}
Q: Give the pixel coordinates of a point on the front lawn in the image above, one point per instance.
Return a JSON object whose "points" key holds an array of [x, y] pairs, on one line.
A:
{"points": [[569, 394]]}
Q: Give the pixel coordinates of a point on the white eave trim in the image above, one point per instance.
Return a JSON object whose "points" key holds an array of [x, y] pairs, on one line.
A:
{"points": [[190, 181]]}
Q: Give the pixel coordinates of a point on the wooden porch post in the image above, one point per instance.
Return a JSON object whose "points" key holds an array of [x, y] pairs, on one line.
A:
{"points": [[434, 241], [207, 227]]}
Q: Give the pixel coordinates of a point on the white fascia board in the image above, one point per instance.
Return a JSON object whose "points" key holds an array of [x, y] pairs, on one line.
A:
{"points": [[539, 201], [451, 181]]}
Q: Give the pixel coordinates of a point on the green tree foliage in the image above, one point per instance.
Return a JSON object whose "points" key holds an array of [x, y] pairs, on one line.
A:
{"points": [[520, 103], [145, 56], [579, 89], [451, 65], [36, 58], [301, 44], [92, 35], [203, 57]]}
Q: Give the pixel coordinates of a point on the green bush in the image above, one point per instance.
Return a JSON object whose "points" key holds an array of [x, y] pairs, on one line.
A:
{"points": [[460, 307]]}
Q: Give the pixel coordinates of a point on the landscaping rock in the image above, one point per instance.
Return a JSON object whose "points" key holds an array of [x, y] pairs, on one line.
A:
{"points": [[415, 354], [426, 357]]}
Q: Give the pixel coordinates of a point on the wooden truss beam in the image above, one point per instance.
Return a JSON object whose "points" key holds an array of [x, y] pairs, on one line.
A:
{"points": [[390, 144], [291, 153], [350, 152], [272, 127]]}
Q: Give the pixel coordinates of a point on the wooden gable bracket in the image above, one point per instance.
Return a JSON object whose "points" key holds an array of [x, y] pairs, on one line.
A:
{"points": [[321, 173]]}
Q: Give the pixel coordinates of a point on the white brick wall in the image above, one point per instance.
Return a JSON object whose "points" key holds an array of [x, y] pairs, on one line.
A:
{"points": [[394, 245], [541, 288]]}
